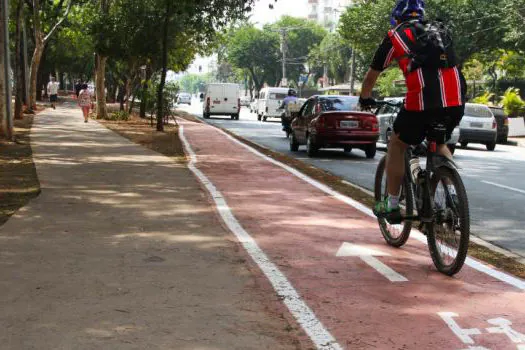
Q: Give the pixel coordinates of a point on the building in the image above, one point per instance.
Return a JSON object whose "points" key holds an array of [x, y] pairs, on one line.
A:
{"points": [[327, 12]]}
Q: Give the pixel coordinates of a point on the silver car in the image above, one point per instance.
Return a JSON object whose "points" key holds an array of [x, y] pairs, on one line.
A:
{"points": [[184, 97], [478, 126], [386, 116]]}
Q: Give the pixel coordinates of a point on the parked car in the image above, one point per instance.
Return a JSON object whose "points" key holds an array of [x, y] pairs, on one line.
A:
{"points": [[503, 124], [222, 99], [478, 126], [270, 99], [184, 98], [386, 116], [334, 122], [245, 101]]}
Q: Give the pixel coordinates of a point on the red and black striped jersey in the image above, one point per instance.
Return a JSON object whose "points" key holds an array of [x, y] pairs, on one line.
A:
{"points": [[427, 88]]}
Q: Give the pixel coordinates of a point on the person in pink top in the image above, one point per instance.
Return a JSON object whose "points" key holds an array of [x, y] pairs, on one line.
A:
{"points": [[84, 101]]}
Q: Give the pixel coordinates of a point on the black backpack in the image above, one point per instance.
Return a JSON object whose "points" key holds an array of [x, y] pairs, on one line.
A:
{"points": [[433, 47]]}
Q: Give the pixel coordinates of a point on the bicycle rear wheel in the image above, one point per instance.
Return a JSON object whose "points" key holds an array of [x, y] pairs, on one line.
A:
{"points": [[395, 235], [448, 236]]}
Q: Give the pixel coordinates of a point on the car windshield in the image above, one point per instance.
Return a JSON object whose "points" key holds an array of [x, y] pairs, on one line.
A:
{"points": [[477, 111], [277, 96], [339, 103]]}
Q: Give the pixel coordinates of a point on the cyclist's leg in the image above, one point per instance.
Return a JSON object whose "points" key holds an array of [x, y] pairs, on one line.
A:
{"points": [[453, 116], [395, 164], [409, 129]]}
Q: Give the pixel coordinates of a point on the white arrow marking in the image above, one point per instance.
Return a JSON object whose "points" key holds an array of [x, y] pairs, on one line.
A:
{"points": [[369, 256]]}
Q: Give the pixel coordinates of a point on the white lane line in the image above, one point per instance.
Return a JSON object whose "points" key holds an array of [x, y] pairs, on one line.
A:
{"points": [[505, 187], [320, 336], [502, 276], [368, 255]]}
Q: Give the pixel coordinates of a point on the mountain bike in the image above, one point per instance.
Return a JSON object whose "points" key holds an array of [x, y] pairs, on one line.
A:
{"points": [[435, 197]]}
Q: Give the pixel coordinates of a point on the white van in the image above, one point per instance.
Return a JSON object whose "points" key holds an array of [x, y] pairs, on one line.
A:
{"points": [[270, 99], [222, 99]]}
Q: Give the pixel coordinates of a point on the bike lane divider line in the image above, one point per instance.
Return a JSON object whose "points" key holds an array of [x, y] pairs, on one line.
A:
{"points": [[368, 255], [499, 275], [319, 335]]}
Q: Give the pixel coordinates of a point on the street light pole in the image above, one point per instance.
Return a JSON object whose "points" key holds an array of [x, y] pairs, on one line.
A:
{"points": [[284, 48], [8, 117]]}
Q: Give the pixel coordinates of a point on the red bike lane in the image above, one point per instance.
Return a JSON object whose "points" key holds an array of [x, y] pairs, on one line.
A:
{"points": [[366, 294]]}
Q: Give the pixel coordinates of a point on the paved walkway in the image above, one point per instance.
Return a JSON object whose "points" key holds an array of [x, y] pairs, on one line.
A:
{"points": [[325, 255], [122, 250]]}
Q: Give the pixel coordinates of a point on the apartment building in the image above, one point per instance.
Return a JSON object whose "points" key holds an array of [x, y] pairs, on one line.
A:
{"points": [[327, 12]]}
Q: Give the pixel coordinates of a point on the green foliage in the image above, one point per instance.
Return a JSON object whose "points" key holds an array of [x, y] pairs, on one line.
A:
{"points": [[336, 54], [512, 102], [119, 116], [485, 99], [387, 86], [477, 25], [193, 83]]}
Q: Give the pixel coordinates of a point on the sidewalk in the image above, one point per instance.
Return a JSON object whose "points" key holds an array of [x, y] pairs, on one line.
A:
{"points": [[122, 250]]}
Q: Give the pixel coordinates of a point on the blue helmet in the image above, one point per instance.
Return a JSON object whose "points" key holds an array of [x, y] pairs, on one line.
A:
{"points": [[408, 9]]}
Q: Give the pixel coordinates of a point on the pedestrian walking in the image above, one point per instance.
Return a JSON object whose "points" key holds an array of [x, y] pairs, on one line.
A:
{"points": [[52, 91], [84, 101]]}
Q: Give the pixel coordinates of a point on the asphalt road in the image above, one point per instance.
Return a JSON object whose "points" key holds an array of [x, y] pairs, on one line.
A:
{"points": [[494, 180]]}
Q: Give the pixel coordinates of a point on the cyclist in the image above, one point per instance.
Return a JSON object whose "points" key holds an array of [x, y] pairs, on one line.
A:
{"points": [[292, 97], [436, 91]]}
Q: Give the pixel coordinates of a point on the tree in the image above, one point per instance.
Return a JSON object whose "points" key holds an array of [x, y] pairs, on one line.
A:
{"points": [[301, 37], [255, 51], [43, 17], [512, 102], [6, 127], [386, 83], [365, 24]]}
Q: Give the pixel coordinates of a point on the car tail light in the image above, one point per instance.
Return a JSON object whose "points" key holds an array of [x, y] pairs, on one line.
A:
{"points": [[370, 123], [208, 102], [506, 122], [494, 125]]}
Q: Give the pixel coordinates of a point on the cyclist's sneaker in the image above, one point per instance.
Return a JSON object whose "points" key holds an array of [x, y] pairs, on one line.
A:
{"points": [[392, 215]]}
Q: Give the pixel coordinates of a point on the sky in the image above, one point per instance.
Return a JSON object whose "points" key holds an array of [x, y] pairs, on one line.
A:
{"points": [[260, 16]]}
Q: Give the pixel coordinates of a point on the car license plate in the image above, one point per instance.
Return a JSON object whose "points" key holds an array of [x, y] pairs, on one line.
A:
{"points": [[349, 124], [216, 102], [476, 125]]}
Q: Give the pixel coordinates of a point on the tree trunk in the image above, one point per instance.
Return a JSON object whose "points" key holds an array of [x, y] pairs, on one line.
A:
{"points": [[128, 92], [160, 92], [19, 62], [35, 64], [102, 111], [132, 104], [6, 125]]}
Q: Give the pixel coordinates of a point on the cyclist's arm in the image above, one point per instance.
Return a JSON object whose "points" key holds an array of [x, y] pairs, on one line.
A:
{"points": [[382, 59]]}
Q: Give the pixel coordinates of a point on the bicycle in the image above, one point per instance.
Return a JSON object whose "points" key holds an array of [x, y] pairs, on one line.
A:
{"points": [[438, 195]]}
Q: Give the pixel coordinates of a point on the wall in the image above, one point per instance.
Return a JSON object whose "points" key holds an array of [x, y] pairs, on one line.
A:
{"points": [[516, 127]]}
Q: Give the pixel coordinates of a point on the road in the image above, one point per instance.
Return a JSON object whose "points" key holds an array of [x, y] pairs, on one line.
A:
{"points": [[494, 180]]}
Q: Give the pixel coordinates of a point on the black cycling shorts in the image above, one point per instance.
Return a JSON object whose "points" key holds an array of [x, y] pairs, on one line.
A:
{"points": [[412, 127]]}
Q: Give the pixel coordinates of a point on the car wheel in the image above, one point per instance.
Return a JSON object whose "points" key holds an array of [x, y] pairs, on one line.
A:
{"points": [[491, 146], [294, 146], [464, 144], [264, 118], [232, 116], [311, 149], [370, 151], [348, 149], [206, 116], [452, 148], [259, 117]]}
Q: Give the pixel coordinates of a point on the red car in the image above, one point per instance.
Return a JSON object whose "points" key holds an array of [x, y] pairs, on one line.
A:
{"points": [[334, 122]]}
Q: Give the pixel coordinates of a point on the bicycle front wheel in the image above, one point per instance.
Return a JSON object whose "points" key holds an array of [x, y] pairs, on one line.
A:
{"points": [[448, 236], [395, 235]]}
